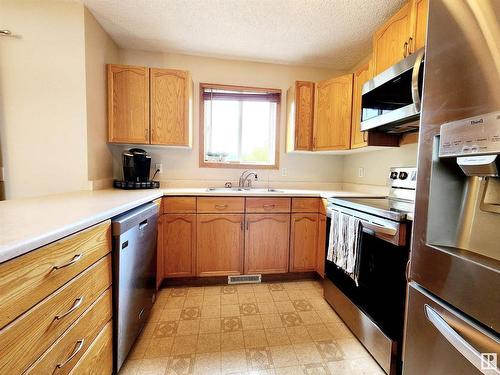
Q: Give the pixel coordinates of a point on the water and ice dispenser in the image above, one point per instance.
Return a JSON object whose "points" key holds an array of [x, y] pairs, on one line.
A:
{"points": [[464, 197]]}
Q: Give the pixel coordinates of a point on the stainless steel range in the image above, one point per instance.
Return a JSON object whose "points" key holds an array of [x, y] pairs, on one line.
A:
{"points": [[373, 306]]}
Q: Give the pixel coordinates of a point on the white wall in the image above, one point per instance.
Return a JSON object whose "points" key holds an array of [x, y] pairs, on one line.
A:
{"points": [[43, 124], [182, 164], [376, 164], [100, 50]]}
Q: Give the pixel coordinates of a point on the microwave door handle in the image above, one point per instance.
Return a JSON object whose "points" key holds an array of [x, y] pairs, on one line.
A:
{"points": [[414, 80], [457, 341]]}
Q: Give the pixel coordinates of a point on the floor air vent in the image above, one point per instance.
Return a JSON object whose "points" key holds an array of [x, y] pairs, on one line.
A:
{"points": [[244, 279]]}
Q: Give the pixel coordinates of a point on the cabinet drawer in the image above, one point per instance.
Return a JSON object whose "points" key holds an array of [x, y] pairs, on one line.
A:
{"points": [[305, 204], [221, 204], [98, 359], [179, 205], [26, 280], [27, 337], [262, 205], [69, 348]]}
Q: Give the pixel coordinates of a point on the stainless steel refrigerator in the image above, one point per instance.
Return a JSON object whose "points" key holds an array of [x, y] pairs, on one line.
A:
{"points": [[453, 302]]}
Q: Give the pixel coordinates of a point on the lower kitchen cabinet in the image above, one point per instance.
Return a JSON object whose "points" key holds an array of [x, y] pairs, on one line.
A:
{"points": [[267, 243], [177, 252], [304, 242], [220, 241]]}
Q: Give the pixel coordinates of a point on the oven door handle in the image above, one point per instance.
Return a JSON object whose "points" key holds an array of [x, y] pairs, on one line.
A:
{"points": [[376, 228]]}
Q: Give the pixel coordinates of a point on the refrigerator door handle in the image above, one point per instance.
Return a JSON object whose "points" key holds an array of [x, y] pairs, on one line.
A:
{"points": [[458, 342]]}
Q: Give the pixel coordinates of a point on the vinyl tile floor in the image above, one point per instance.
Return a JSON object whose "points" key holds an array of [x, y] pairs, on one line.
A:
{"points": [[269, 328]]}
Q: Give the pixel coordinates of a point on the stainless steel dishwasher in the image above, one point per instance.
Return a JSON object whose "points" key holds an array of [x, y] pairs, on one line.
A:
{"points": [[134, 274]]}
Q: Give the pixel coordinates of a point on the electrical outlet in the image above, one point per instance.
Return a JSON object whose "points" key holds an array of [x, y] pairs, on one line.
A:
{"points": [[159, 167], [284, 172], [361, 172]]}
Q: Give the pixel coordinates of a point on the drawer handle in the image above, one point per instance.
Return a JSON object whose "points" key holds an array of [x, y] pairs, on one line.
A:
{"points": [[75, 259], [76, 305], [78, 347], [221, 206], [268, 206]]}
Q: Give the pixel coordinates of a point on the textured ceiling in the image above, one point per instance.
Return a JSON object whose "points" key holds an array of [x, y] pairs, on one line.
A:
{"points": [[322, 33]]}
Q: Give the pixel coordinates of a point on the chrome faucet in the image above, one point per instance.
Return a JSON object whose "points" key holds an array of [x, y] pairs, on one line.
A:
{"points": [[244, 179]]}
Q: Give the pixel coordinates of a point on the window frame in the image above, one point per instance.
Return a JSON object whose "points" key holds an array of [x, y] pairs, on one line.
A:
{"points": [[206, 164]]}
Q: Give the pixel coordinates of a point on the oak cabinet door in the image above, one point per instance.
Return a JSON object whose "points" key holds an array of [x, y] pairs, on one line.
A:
{"points": [[321, 249], [304, 242], [219, 244], [171, 102], [391, 41], [300, 112], [128, 104], [358, 138], [332, 114], [420, 11], [267, 243], [178, 245]]}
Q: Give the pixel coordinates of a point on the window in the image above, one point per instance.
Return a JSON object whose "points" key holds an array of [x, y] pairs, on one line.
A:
{"points": [[239, 126]]}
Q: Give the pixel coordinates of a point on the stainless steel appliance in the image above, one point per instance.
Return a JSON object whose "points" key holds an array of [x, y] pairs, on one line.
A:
{"points": [[134, 275], [374, 309], [453, 309], [390, 102]]}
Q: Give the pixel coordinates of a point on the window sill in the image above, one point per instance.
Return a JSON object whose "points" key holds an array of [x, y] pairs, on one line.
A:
{"points": [[232, 165]]}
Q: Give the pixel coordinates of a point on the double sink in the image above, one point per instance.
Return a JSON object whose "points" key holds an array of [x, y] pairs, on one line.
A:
{"points": [[247, 189]]}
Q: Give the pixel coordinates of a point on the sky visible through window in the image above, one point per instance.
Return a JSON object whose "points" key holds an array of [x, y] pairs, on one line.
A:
{"points": [[240, 131]]}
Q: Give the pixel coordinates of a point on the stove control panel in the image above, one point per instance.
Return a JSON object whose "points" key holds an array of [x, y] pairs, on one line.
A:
{"points": [[405, 178], [479, 135]]}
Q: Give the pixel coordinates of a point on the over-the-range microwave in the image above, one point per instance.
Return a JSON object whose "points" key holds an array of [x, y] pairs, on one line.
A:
{"points": [[390, 102]]}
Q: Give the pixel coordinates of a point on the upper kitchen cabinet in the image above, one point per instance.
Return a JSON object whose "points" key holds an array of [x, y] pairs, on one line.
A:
{"points": [[401, 35], [300, 111], [420, 9], [363, 74], [171, 107], [332, 114], [128, 104], [390, 42], [149, 106]]}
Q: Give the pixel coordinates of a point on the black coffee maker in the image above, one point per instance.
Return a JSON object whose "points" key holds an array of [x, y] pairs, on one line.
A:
{"points": [[136, 165], [136, 170]]}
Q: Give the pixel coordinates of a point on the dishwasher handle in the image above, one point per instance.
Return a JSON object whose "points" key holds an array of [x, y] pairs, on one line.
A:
{"points": [[143, 224]]}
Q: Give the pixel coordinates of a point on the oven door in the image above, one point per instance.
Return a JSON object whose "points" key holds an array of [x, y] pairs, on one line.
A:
{"points": [[382, 276]]}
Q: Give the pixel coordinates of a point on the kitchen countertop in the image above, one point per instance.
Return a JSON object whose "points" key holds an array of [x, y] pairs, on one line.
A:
{"points": [[26, 224]]}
